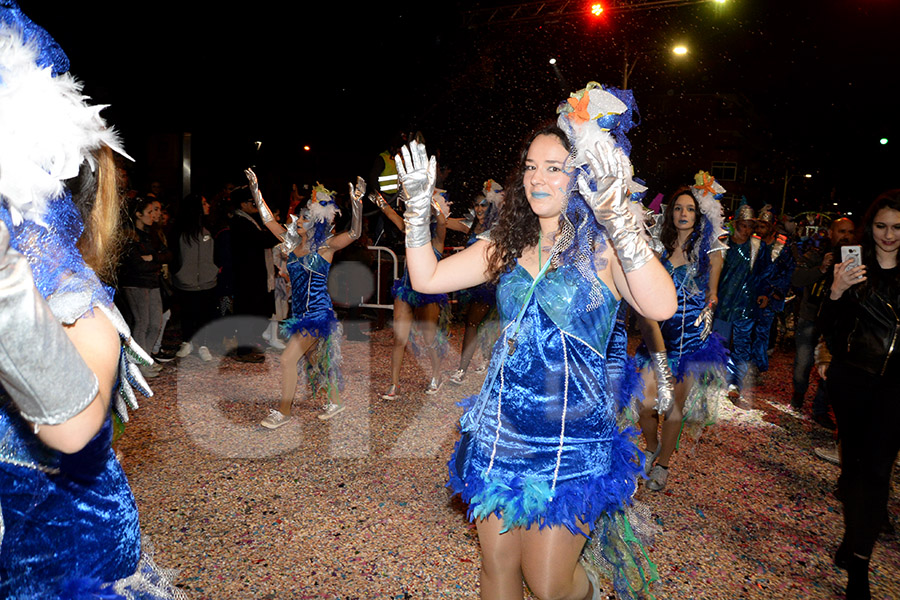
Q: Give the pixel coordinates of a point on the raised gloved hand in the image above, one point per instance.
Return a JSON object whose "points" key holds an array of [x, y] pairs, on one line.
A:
{"points": [[356, 195], [291, 238], [264, 213], [417, 175], [705, 318], [378, 200], [608, 198], [665, 386]]}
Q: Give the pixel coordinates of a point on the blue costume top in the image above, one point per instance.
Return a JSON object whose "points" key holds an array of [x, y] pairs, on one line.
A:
{"points": [[313, 313], [738, 284], [687, 352], [485, 293], [548, 449]]}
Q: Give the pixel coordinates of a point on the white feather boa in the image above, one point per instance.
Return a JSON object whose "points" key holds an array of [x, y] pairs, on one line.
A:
{"points": [[47, 130]]}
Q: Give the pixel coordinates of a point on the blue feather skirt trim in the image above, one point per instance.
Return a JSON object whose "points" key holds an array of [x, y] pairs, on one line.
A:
{"points": [[404, 292], [706, 366], [318, 324]]}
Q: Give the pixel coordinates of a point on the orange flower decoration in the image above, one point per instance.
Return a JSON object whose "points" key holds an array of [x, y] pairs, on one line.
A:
{"points": [[704, 182], [580, 108]]}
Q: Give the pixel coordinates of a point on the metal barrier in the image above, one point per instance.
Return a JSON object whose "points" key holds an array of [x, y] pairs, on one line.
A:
{"points": [[378, 278], [448, 250]]}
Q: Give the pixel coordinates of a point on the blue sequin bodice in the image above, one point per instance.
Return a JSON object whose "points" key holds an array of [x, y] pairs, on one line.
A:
{"points": [[309, 283]]}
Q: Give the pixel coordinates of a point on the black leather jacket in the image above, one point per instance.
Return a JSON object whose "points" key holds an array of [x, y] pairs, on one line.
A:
{"points": [[862, 329]]}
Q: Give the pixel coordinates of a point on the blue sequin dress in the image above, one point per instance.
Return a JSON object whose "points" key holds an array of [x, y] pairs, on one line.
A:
{"points": [[688, 354], [69, 522], [549, 449], [485, 293], [313, 314], [403, 290]]}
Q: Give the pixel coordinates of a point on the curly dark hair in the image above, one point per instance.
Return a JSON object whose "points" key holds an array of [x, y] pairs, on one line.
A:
{"points": [[517, 226], [668, 234]]}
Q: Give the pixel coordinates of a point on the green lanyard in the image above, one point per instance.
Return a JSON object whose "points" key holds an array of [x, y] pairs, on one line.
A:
{"points": [[511, 341]]}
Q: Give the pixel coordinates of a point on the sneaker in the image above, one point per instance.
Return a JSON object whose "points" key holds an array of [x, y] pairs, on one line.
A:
{"points": [[457, 378], [276, 343], [204, 354], [186, 348], [734, 394], [481, 368], [650, 457], [249, 357], [657, 478], [331, 410], [434, 385], [275, 419], [164, 356], [828, 455], [390, 394], [148, 371]]}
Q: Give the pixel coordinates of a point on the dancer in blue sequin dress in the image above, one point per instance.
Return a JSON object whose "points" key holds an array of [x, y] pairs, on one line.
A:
{"points": [[68, 520], [545, 460], [681, 347], [418, 315], [479, 301], [314, 332]]}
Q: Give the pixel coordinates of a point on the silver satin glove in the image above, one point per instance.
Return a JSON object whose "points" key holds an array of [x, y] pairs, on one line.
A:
{"points": [[417, 176], [378, 200], [264, 213], [665, 388], [611, 173], [291, 239], [40, 368], [705, 318], [356, 195]]}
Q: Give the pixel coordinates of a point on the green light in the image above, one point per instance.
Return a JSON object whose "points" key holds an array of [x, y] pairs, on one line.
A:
{"points": [[883, 141]]}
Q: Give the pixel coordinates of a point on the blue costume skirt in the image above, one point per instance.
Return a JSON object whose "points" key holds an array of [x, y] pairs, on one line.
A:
{"points": [[403, 290], [69, 522]]}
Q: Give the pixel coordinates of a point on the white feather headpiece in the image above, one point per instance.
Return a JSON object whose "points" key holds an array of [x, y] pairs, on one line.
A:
{"points": [[47, 130]]}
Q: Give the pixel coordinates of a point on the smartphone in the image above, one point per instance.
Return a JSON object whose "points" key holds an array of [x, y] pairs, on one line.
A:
{"points": [[853, 253]]}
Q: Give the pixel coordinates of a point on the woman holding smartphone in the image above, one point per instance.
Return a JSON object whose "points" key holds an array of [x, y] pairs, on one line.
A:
{"points": [[861, 323]]}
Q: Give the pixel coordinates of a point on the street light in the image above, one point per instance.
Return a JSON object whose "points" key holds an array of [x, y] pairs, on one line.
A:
{"points": [[680, 50], [787, 178]]}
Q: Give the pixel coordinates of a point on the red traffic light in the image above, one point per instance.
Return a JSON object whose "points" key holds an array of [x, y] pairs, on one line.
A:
{"points": [[596, 9]]}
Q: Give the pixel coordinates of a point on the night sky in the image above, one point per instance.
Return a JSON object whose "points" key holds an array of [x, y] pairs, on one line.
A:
{"points": [[820, 75]]}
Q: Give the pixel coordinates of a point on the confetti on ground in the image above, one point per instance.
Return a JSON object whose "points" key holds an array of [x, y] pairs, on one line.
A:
{"points": [[356, 507]]}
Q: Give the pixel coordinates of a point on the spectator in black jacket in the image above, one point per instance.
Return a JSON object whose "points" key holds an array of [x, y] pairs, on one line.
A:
{"points": [[139, 276], [249, 242], [860, 319]]}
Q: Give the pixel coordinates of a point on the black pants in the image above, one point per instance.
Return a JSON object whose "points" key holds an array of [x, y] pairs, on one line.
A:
{"points": [[198, 309], [867, 408]]}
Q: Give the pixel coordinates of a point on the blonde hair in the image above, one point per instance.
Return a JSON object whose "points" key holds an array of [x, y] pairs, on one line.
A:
{"points": [[102, 238]]}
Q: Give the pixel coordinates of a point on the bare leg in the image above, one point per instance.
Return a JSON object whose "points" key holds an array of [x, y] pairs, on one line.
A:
{"points": [[427, 318], [550, 563], [474, 316], [501, 561], [648, 417], [403, 316], [672, 424], [297, 346]]}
